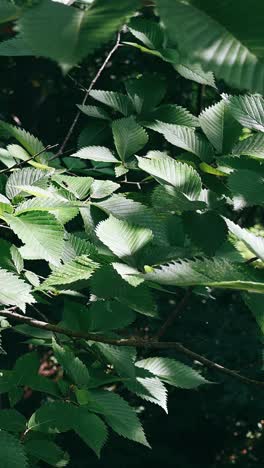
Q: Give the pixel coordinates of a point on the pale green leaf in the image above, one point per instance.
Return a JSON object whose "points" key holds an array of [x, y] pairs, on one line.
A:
{"points": [[24, 177], [122, 238], [17, 259], [95, 153], [41, 233], [78, 186], [14, 291], [253, 242], [103, 188], [173, 372], [81, 268], [217, 273], [248, 111]]}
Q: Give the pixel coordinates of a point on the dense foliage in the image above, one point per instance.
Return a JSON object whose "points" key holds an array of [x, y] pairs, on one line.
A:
{"points": [[107, 234]]}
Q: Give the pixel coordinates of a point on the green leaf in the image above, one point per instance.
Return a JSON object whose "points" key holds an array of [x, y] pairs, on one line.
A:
{"points": [[253, 242], [173, 372], [12, 452], [26, 372], [24, 177], [96, 133], [94, 111], [47, 451], [120, 416], [85, 29], [8, 11], [138, 299], [109, 315], [14, 291], [123, 238], [255, 304], [149, 33], [14, 47], [179, 175], [40, 232], [207, 230], [230, 48], [61, 417], [173, 114], [185, 138], [219, 126], [216, 273], [248, 111], [146, 91], [32, 144], [117, 101], [248, 186], [121, 358], [71, 364], [95, 153], [252, 146], [11, 420], [54, 417], [91, 429], [129, 137], [194, 72], [81, 268]]}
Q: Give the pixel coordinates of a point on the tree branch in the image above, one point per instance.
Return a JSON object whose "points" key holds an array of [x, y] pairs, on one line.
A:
{"points": [[97, 76], [136, 342], [171, 318], [20, 163]]}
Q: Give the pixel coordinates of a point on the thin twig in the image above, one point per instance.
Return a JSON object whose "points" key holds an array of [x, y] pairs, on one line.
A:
{"points": [[97, 76], [251, 260], [20, 163], [136, 342], [171, 318]]}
